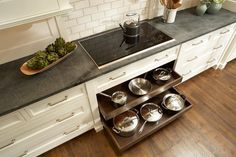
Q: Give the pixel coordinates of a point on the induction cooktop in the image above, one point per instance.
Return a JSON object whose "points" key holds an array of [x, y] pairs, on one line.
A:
{"points": [[111, 47]]}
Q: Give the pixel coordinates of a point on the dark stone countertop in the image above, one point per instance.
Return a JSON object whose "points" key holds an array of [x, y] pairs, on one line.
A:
{"points": [[18, 90]]}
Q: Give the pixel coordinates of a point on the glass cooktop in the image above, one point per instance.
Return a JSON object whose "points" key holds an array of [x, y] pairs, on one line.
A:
{"points": [[112, 47]]}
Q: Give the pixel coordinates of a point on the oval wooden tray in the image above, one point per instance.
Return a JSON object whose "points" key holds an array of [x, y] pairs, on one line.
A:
{"points": [[25, 70]]}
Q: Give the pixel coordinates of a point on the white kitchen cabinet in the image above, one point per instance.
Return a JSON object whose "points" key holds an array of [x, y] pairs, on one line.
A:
{"points": [[45, 124], [230, 52], [193, 56], [221, 40], [203, 52], [123, 74], [15, 12]]}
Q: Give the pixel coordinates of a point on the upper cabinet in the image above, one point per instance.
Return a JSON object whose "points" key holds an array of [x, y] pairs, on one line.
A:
{"points": [[15, 12]]}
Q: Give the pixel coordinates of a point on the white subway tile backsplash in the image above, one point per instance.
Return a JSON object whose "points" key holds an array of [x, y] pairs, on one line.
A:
{"points": [[78, 28], [75, 14], [84, 19], [86, 33], [117, 4], [98, 15], [103, 7], [99, 29], [81, 4], [90, 10], [95, 2], [94, 16]]}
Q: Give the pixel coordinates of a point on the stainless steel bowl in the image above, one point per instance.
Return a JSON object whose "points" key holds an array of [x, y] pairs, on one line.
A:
{"points": [[162, 74], [173, 102], [140, 86]]}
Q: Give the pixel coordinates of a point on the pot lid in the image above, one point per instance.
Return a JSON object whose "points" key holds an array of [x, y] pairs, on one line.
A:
{"points": [[126, 121], [151, 112], [173, 102]]}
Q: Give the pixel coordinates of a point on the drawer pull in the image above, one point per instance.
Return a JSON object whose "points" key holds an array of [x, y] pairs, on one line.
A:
{"points": [[189, 60], [157, 60], [194, 44], [24, 154], [210, 61], [53, 104], [187, 73], [71, 115], [225, 32], [215, 48], [113, 78], [66, 133], [11, 143]]}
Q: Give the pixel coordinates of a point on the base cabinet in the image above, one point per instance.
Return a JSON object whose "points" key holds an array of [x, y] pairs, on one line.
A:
{"points": [[155, 95], [204, 52], [45, 124]]}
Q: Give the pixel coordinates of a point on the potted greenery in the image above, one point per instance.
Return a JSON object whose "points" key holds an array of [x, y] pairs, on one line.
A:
{"points": [[215, 6]]}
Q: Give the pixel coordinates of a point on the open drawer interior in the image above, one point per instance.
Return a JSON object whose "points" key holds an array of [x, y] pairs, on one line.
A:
{"points": [[108, 111], [123, 143]]}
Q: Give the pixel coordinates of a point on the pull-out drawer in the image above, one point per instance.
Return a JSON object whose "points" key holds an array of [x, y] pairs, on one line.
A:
{"points": [[125, 73]]}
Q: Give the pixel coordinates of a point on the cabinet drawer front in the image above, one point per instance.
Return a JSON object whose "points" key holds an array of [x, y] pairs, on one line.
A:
{"points": [[81, 110], [25, 8], [190, 69], [11, 121], [61, 100], [197, 43], [125, 73], [33, 141]]}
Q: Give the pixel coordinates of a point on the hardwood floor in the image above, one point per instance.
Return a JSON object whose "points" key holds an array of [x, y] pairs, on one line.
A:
{"points": [[206, 130]]}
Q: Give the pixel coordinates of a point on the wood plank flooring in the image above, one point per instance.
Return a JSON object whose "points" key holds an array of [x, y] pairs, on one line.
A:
{"points": [[207, 130]]}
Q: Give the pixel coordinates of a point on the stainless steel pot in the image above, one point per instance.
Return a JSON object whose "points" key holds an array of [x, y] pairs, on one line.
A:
{"points": [[162, 74], [150, 112], [126, 124], [118, 98], [173, 102], [140, 86]]}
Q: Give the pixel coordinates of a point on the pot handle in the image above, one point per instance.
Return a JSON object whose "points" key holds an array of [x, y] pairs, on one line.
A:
{"points": [[115, 130], [135, 110], [163, 106]]}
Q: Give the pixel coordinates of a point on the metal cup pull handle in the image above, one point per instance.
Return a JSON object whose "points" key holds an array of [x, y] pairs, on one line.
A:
{"points": [[194, 44], [66, 133], [53, 104], [113, 78], [71, 115]]}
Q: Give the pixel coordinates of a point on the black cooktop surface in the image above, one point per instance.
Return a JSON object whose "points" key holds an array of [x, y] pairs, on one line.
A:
{"points": [[111, 47]]}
